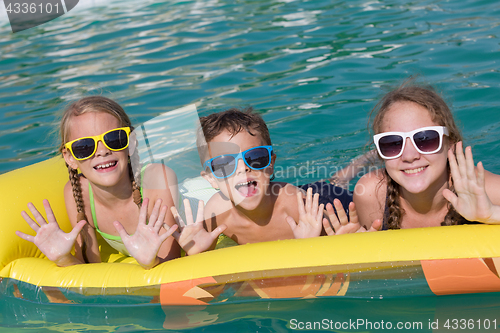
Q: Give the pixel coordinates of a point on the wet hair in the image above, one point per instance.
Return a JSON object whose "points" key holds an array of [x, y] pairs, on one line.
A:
{"points": [[234, 121], [96, 104], [441, 114]]}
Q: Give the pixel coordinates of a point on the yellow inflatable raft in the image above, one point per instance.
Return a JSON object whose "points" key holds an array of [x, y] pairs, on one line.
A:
{"points": [[358, 267]]}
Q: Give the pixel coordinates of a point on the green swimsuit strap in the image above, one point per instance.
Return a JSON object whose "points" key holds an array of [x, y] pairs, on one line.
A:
{"points": [[92, 209]]}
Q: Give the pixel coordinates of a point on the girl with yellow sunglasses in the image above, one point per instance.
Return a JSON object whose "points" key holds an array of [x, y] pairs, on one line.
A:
{"points": [[106, 197]]}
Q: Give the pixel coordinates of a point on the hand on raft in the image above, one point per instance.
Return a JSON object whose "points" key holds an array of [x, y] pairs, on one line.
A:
{"points": [[193, 238], [54, 243], [311, 220], [146, 241]]}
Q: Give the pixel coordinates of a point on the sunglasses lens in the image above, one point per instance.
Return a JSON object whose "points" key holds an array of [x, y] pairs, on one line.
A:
{"points": [[427, 141], [257, 158], [83, 148], [223, 166], [117, 139], [390, 145]]}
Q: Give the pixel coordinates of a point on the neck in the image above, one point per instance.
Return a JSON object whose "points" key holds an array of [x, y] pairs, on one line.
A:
{"points": [[110, 195]]}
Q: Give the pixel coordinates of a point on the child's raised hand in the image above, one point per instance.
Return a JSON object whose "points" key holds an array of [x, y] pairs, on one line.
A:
{"points": [[193, 238], [310, 216], [54, 243], [146, 241], [342, 225], [471, 200]]}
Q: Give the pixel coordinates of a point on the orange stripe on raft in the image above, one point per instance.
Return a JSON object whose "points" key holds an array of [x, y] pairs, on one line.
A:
{"points": [[185, 292], [459, 276]]}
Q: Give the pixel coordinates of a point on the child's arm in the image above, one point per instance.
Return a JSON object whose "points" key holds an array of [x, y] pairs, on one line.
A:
{"points": [[193, 237], [54, 243], [358, 165], [472, 200], [369, 198]]}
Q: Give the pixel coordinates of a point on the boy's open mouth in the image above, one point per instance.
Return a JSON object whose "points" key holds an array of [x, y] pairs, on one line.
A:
{"points": [[247, 188], [105, 166]]}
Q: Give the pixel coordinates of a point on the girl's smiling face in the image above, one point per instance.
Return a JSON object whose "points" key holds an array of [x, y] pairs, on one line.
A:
{"points": [[415, 172], [105, 167]]}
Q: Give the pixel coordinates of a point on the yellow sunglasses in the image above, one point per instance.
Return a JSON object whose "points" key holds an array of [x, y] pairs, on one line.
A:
{"points": [[116, 139]]}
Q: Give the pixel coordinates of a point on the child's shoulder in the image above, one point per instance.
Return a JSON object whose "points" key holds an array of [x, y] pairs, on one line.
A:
{"points": [[154, 175], [370, 187], [285, 192]]}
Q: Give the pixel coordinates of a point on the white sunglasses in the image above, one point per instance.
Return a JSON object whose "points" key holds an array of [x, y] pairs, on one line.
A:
{"points": [[426, 140]]}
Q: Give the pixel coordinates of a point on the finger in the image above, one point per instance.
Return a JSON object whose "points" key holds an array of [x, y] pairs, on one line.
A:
{"points": [[328, 227], [217, 231], [153, 218], [340, 212], [200, 216], [455, 173], [188, 212], [48, 211], [361, 229], [333, 218], [480, 174], [176, 234], [161, 219], [291, 222], [320, 209], [376, 225], [309, 200], [38, 217], [120, 229], [143, 213], [177, 217], [30, 221], [469, 160], [462, 167], [169, 232], [29, 238], [76, 230], [353, 215], [451, 197], [300, 204], [315, 203]]}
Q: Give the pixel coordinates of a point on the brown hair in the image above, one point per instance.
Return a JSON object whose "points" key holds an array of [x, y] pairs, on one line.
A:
{"points": [[441, 114], [95, 104], [234, 121]]}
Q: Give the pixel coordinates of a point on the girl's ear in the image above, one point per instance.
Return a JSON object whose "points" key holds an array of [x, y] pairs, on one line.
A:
{"points": [[70, 160], [132, 143], [210, 178]]}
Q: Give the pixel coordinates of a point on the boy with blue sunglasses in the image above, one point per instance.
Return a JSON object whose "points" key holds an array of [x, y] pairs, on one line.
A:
{"points": [[238, 160]]}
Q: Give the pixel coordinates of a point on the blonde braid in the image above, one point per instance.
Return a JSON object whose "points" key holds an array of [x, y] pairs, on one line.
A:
{"points": [[135, 178], [393, 203], [74, 179]]}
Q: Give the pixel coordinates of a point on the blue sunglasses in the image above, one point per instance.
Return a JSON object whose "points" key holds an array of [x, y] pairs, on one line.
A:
{"points": [[256, 158]]}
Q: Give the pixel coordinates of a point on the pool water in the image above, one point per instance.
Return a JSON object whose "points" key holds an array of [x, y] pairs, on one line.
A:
{"points": [[312, 69]]}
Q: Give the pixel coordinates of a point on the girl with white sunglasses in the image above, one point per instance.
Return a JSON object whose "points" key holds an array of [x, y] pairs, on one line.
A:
{"points": [[427, 180]]}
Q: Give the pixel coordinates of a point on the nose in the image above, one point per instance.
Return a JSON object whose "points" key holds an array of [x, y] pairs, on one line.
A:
{"points": [[101, 149], [241, 167], [410, 153]]}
